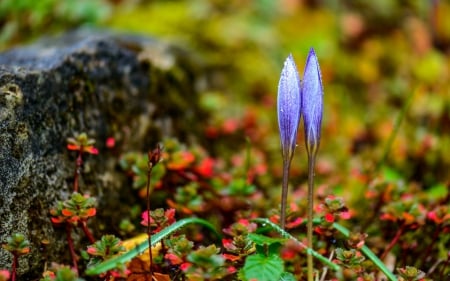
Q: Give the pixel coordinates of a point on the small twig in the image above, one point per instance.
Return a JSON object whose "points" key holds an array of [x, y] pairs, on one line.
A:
{"points": [[14, 267], [149, 227], [86, 231], [325, 269], [394, 241], [71, 247], [78, 164], [434, 266]]}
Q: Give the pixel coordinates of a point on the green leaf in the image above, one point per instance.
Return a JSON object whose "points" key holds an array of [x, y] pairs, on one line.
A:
{"points": [[287, 276], [118, 260], [263, 268], [266, 245], [262, 240]]}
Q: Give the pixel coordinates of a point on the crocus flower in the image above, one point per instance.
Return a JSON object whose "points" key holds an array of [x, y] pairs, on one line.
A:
{"points": [[312, 103], [312, 108], [288, 107]]}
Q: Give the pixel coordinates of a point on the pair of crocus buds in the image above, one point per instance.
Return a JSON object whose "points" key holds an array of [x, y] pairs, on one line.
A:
{"points": [[296, 99]]}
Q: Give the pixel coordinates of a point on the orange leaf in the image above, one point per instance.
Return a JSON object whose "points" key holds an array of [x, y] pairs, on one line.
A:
{"points": [[206, 167], [57, 220], [67, 212], [91, 212], [73, 147], [90, 149], [409, 219], [139, 271], [161, 277], [231, 257]]}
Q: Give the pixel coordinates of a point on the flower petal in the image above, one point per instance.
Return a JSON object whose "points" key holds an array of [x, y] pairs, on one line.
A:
{"points": [[288, 107], [312, 103]]}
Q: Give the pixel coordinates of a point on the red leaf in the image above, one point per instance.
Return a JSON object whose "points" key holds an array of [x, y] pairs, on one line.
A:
{"points": [[329, 217], [90, 149], [206, 167], [231, 257], [73, 147], [185, 266], [57, 220], [173, 259], [91, 212], [67, 212]]}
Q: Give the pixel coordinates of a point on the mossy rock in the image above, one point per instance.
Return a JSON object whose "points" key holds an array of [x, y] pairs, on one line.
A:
{"points": [[133, 88]]}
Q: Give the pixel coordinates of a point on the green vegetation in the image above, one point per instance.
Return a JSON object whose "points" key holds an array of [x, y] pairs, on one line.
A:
{"points": [[382, 172]]}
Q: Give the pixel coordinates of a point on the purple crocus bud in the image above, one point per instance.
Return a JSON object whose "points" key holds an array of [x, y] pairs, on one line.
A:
{"points": [[288, 107], [312, 103]]}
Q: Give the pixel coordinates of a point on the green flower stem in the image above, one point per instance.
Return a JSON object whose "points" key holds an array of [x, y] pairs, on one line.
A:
{"points": [[123, 258], [309, 228], [284, 191], [368, 254], [309, 251]]}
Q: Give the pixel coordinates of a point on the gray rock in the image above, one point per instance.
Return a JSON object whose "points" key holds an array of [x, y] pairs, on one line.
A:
{"points": [[132, 88]]}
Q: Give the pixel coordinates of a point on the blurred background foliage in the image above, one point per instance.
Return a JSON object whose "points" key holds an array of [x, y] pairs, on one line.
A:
{"points": [[383, 63]]}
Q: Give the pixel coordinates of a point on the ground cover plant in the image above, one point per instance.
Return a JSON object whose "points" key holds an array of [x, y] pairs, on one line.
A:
{"points": [[213, 210]]}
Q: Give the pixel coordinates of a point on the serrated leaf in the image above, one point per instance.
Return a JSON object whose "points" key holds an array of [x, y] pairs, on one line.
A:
{"points": [[263, 268]]}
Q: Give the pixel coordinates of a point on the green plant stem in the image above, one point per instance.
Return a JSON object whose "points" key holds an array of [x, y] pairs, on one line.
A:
{"points": [[310, 263], [127, 256], [366, 251], [284, 191], [398, 122]]}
